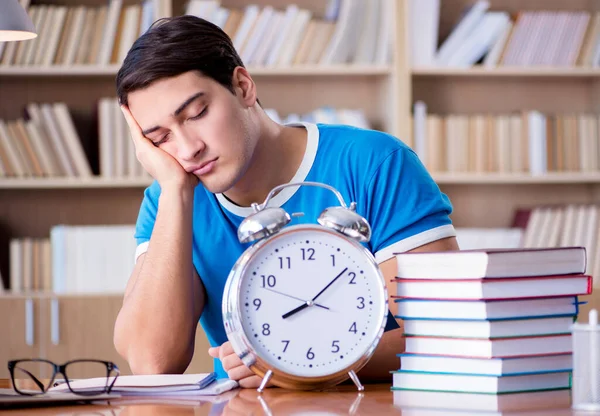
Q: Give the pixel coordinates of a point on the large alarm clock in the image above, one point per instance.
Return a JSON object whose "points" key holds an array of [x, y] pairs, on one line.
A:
{"points": [[305, 306]]}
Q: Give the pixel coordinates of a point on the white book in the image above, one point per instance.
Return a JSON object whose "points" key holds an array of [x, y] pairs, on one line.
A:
{"points": [[424, 26], [492, 59], [273, 30], [480, 383], [16, 265], [56, 30], [367, 44], [435, 403], [482, 366], [491, 264], [35, 114], [39, 20], [44, 35], [461, 31], [489, 310], [105, 136], [130, 30], [486, 348], [251, 13], [478, 43], [74, 35], [13, 154], [58, 142], [72, 140], [41, 148], [536, 129], [110, 32], [133, 385], [420, 130], [283, 37], [470, 328], [288, 53], [256, 36]]}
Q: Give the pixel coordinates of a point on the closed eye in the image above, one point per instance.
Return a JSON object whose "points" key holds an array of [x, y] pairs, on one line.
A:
{"points": [[162, 140], [201, 114]]}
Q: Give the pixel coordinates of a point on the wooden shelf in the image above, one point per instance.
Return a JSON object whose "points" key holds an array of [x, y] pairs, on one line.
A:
{"points": [[516, 179], [508, 72], [111, 70], [73, 183], [440, 178]]}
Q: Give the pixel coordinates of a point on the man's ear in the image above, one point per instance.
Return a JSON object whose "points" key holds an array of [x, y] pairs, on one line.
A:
{"points": [[244, 86]]}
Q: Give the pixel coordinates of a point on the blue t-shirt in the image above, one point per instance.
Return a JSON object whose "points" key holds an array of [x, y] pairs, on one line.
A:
{"points": [[392, 189]]}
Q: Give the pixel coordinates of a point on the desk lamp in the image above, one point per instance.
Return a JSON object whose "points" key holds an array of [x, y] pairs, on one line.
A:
{"points": [[15, 23]]}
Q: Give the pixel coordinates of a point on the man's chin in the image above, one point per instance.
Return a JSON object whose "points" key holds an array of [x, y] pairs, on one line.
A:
{"points": [[214, 187]]}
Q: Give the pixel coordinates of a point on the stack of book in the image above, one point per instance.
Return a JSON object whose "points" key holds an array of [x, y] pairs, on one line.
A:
{"points": [[488, 330]]}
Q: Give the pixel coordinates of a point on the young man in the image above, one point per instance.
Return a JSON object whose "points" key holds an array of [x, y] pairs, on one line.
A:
{"points": [[200, 131]]}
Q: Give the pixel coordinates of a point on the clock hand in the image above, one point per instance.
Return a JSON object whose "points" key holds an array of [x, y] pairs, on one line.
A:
{"points": [[311, 302], [294, 297], [330, 283]]}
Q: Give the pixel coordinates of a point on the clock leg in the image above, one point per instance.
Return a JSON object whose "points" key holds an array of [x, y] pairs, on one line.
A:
{"points": [[356, 381], [264, 381]]}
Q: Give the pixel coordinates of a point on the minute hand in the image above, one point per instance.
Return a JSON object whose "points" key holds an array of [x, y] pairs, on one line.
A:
{"points": [[310, 302], [329, 284]]}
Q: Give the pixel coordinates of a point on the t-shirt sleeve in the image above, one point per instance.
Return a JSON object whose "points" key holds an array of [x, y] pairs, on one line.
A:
{"points": [[405, 207], [146, 219]]}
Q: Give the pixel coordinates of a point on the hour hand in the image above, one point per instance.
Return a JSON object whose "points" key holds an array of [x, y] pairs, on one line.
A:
{"points": [[296, 310]]}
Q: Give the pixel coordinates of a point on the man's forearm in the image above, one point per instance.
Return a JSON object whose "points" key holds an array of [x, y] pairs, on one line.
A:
{"points": [[385, 358], [155, 328]]}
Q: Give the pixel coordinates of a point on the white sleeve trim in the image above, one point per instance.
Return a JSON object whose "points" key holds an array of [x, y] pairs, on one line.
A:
{"points": [[415, 241], [141, 249]]}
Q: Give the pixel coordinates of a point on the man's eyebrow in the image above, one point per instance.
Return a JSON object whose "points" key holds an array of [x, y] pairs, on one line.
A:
{"points": [[176, 112]]}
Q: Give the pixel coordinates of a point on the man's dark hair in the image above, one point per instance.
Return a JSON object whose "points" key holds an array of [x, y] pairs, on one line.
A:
{"points": [[173, 46]]}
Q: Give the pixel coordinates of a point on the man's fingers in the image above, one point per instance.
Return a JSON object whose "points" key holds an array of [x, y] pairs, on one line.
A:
{"points": [[214, 352], [226, 349], [231, 361], [136, 130], [250, 382], [239, 373]]}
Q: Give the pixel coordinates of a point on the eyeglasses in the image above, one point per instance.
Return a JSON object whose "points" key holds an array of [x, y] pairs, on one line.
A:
{"points": [[33, 377]]}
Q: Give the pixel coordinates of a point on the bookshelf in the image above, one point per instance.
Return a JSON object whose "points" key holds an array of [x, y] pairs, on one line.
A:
{"points": [[32, 205], [491, 199]]}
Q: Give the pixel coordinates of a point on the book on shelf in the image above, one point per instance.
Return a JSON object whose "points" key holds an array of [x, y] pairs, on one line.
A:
{"points": [[349, 33], [519, 142], [487, 366], [494, 38], [481, 328], [81, 34], [43, 145], [475, 383], [489, 310], [423, 402], [491, 263], [75, 259]]}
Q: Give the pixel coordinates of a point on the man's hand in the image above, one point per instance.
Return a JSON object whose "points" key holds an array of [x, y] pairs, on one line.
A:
{"points": [[236, 370], [158, 163]]}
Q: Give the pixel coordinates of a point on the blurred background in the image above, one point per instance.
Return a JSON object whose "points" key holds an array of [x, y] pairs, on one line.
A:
{"points": [[500, 99]]}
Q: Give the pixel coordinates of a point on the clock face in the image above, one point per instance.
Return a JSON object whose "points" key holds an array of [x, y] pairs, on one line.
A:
{"points": [[311, 302]]}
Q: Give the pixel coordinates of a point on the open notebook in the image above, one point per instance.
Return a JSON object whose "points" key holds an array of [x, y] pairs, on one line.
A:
{"points": [[160, 384]]}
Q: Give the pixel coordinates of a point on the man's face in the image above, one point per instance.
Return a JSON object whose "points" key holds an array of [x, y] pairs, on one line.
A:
{"points": [[200, 123]]}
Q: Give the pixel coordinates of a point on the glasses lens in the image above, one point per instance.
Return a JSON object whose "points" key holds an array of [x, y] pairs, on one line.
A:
{"points": [[89, 369], [32, 377]]}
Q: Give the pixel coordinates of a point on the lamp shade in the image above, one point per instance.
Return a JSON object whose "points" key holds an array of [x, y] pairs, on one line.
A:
{"points": [[15, 23]]}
